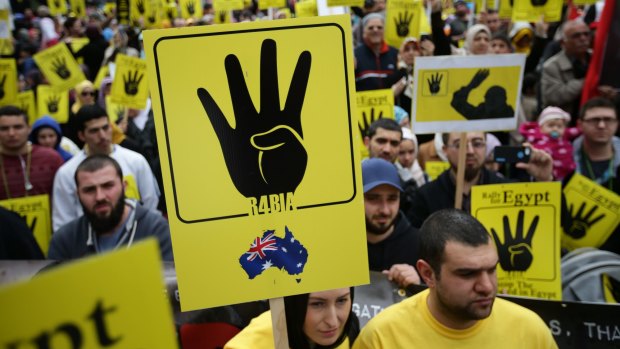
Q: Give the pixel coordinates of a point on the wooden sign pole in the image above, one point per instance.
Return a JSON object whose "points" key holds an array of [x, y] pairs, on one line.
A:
{"points": [[278, 321], [460, 172]]}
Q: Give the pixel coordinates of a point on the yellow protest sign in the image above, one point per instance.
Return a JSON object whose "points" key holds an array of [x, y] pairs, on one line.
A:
{"points": [[103, 72], [8, 81], [584, 2], [358, 3], [222, 17], [466, 93], [306, 8], [371, 106], [594, 213], [109, 8], [484, 5], [77, 44], [115, 111], [266, 4], [190, 8], [35, 210], [130, 87], [531, 10], [6, 38], [59, 67], [434, 168], [402, 20], [57, 7], [505, 9], [251, 101], [113, 300], [26, 102], [78, 7], [524, 222], [154, 16], [52, 103], [139, 8], [227, 5]]}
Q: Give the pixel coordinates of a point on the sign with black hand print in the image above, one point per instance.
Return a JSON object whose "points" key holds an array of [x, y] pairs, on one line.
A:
{"points": [[402, 20], [8, 81], [190, 8], [523, 220], [130, 87], [372, 106], [26, 102], [466, 93], [57, 7], [53, 103], [259, 141], [59, 67], [593, 210]]}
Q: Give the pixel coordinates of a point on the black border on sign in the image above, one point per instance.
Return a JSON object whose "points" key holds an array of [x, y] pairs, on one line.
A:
{"points": [[163, 109]]}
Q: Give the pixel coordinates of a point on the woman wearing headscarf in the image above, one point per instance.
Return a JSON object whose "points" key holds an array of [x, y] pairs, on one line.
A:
{"points": [[120, 44], [46, 132], [478, 40]]}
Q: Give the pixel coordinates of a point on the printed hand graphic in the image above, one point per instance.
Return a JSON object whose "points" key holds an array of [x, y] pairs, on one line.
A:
{"points": [[151, 18], [264, 153], [171, 12], [402, 24], [367, 121], [52, 104], [190, 8], [222, 16], [434, 83], [478, 78], [78, 10], [580, 223], [515, 254], [60, 68], [538, 2], [2, 86], [56, 3], [132, 82], [120, 112], [140, 6]]}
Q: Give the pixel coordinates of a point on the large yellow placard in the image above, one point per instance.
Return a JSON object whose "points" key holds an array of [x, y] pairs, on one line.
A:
{"points": [[130, 87], [402, 20], [35, 210], [112, 301], [53, 103], [531, 10], [524, 222], [26, 102], [59, 67], [466, 93], [8, 81], [594, 213], [372, 106], [250, 168]]}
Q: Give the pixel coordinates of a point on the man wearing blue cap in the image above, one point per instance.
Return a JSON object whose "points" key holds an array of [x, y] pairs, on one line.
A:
{"points": [[392, 241]]}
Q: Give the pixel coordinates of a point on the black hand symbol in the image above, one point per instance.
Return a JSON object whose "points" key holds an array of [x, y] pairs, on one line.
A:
{"points": [[52, 104], [60, 68], [2, 86], [120, 113], [56, 3], [434, 83], [222, 15], [190, 8], [402, 24], [515, 254], [264, 153], [538, 2], [132, 82], [151, 18], [140, 6], [580, 224], [171, 13], [78, 10], [367, 121], [480, 76]]}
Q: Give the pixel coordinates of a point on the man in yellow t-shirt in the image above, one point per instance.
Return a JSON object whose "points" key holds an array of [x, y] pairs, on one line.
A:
{"points": [[459, 309]]}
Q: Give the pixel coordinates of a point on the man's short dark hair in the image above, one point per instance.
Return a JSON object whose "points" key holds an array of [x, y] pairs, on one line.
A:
{"points": [[596, 102], [88, 113], [502, 37], [448, 225], [95, 163], [387, 124], [11, 110]]}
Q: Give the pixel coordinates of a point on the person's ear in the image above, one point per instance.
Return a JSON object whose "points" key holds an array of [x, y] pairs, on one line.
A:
{"points": [[81, 136], [579, 125], [426, 272], [366, 141]]}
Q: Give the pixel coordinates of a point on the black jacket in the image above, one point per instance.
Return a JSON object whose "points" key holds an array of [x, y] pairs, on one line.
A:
{"points": [[402, 246]]}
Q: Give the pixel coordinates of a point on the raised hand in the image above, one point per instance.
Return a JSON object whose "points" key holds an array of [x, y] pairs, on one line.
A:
{"points": [[369, 120], [2, 86], [60, 68], [132, 82], [190, 8], [52, 103], [264, 153], [434, 83], [515, 254], [478, 78], [580, 224], [402, 23]]}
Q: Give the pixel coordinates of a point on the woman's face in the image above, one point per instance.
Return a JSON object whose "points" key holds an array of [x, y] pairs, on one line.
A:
{"points": [[480, 45], [409, 52], [87, 96], [47, 137], [327, 313], [406, 153]]}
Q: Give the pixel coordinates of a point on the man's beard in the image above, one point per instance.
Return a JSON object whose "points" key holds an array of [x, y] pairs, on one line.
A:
{"points": [[105, 224], [376, 230], [471, 173]]}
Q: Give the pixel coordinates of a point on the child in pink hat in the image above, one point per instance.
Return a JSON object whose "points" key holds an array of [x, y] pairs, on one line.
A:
{"points": [[552, 135]]}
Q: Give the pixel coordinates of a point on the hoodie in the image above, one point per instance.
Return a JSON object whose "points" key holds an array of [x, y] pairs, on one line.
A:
{"points": [[49, 122]]}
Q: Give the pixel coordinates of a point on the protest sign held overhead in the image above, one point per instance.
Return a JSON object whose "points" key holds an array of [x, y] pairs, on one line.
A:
{"points": [[53, 103], [59, 67], [402, 20], [130, 87], [306, 8], [531, 10], [244, 208], [372, 105]]}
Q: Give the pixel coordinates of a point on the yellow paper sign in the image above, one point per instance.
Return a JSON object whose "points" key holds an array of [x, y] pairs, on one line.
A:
{"points": [[77, 44], [52, 103], [402, 20], [221, 17], [254, 98], [59, 67], [505, 9], [306, 8], [190, 8], [78, 7], [26, 102], [358, 3], [266, 4], [484, 4], [115, 111], [594, 212], [139, 8], [130, 87], [434, 168], [153, 18], [466, 93], [8, 81], [57, 7], [531, 10], [371, 106], [100, 302], [524, 221], [35, 210], [103, 72], [227, 5]]}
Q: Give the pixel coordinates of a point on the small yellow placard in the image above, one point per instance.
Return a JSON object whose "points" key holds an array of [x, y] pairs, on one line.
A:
{"points": [[190, 8], [402, 20], [306, 8], [26, 102], [371, 106], [434, 168], [78, 7], [524, 221], [227, 5], [531, 10], [266, 4], [59, 67], [112, 301], [53, 103], [130, 87], [57, 7], [35, 210], [358, 3], [8, 81], [594, 212]]}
